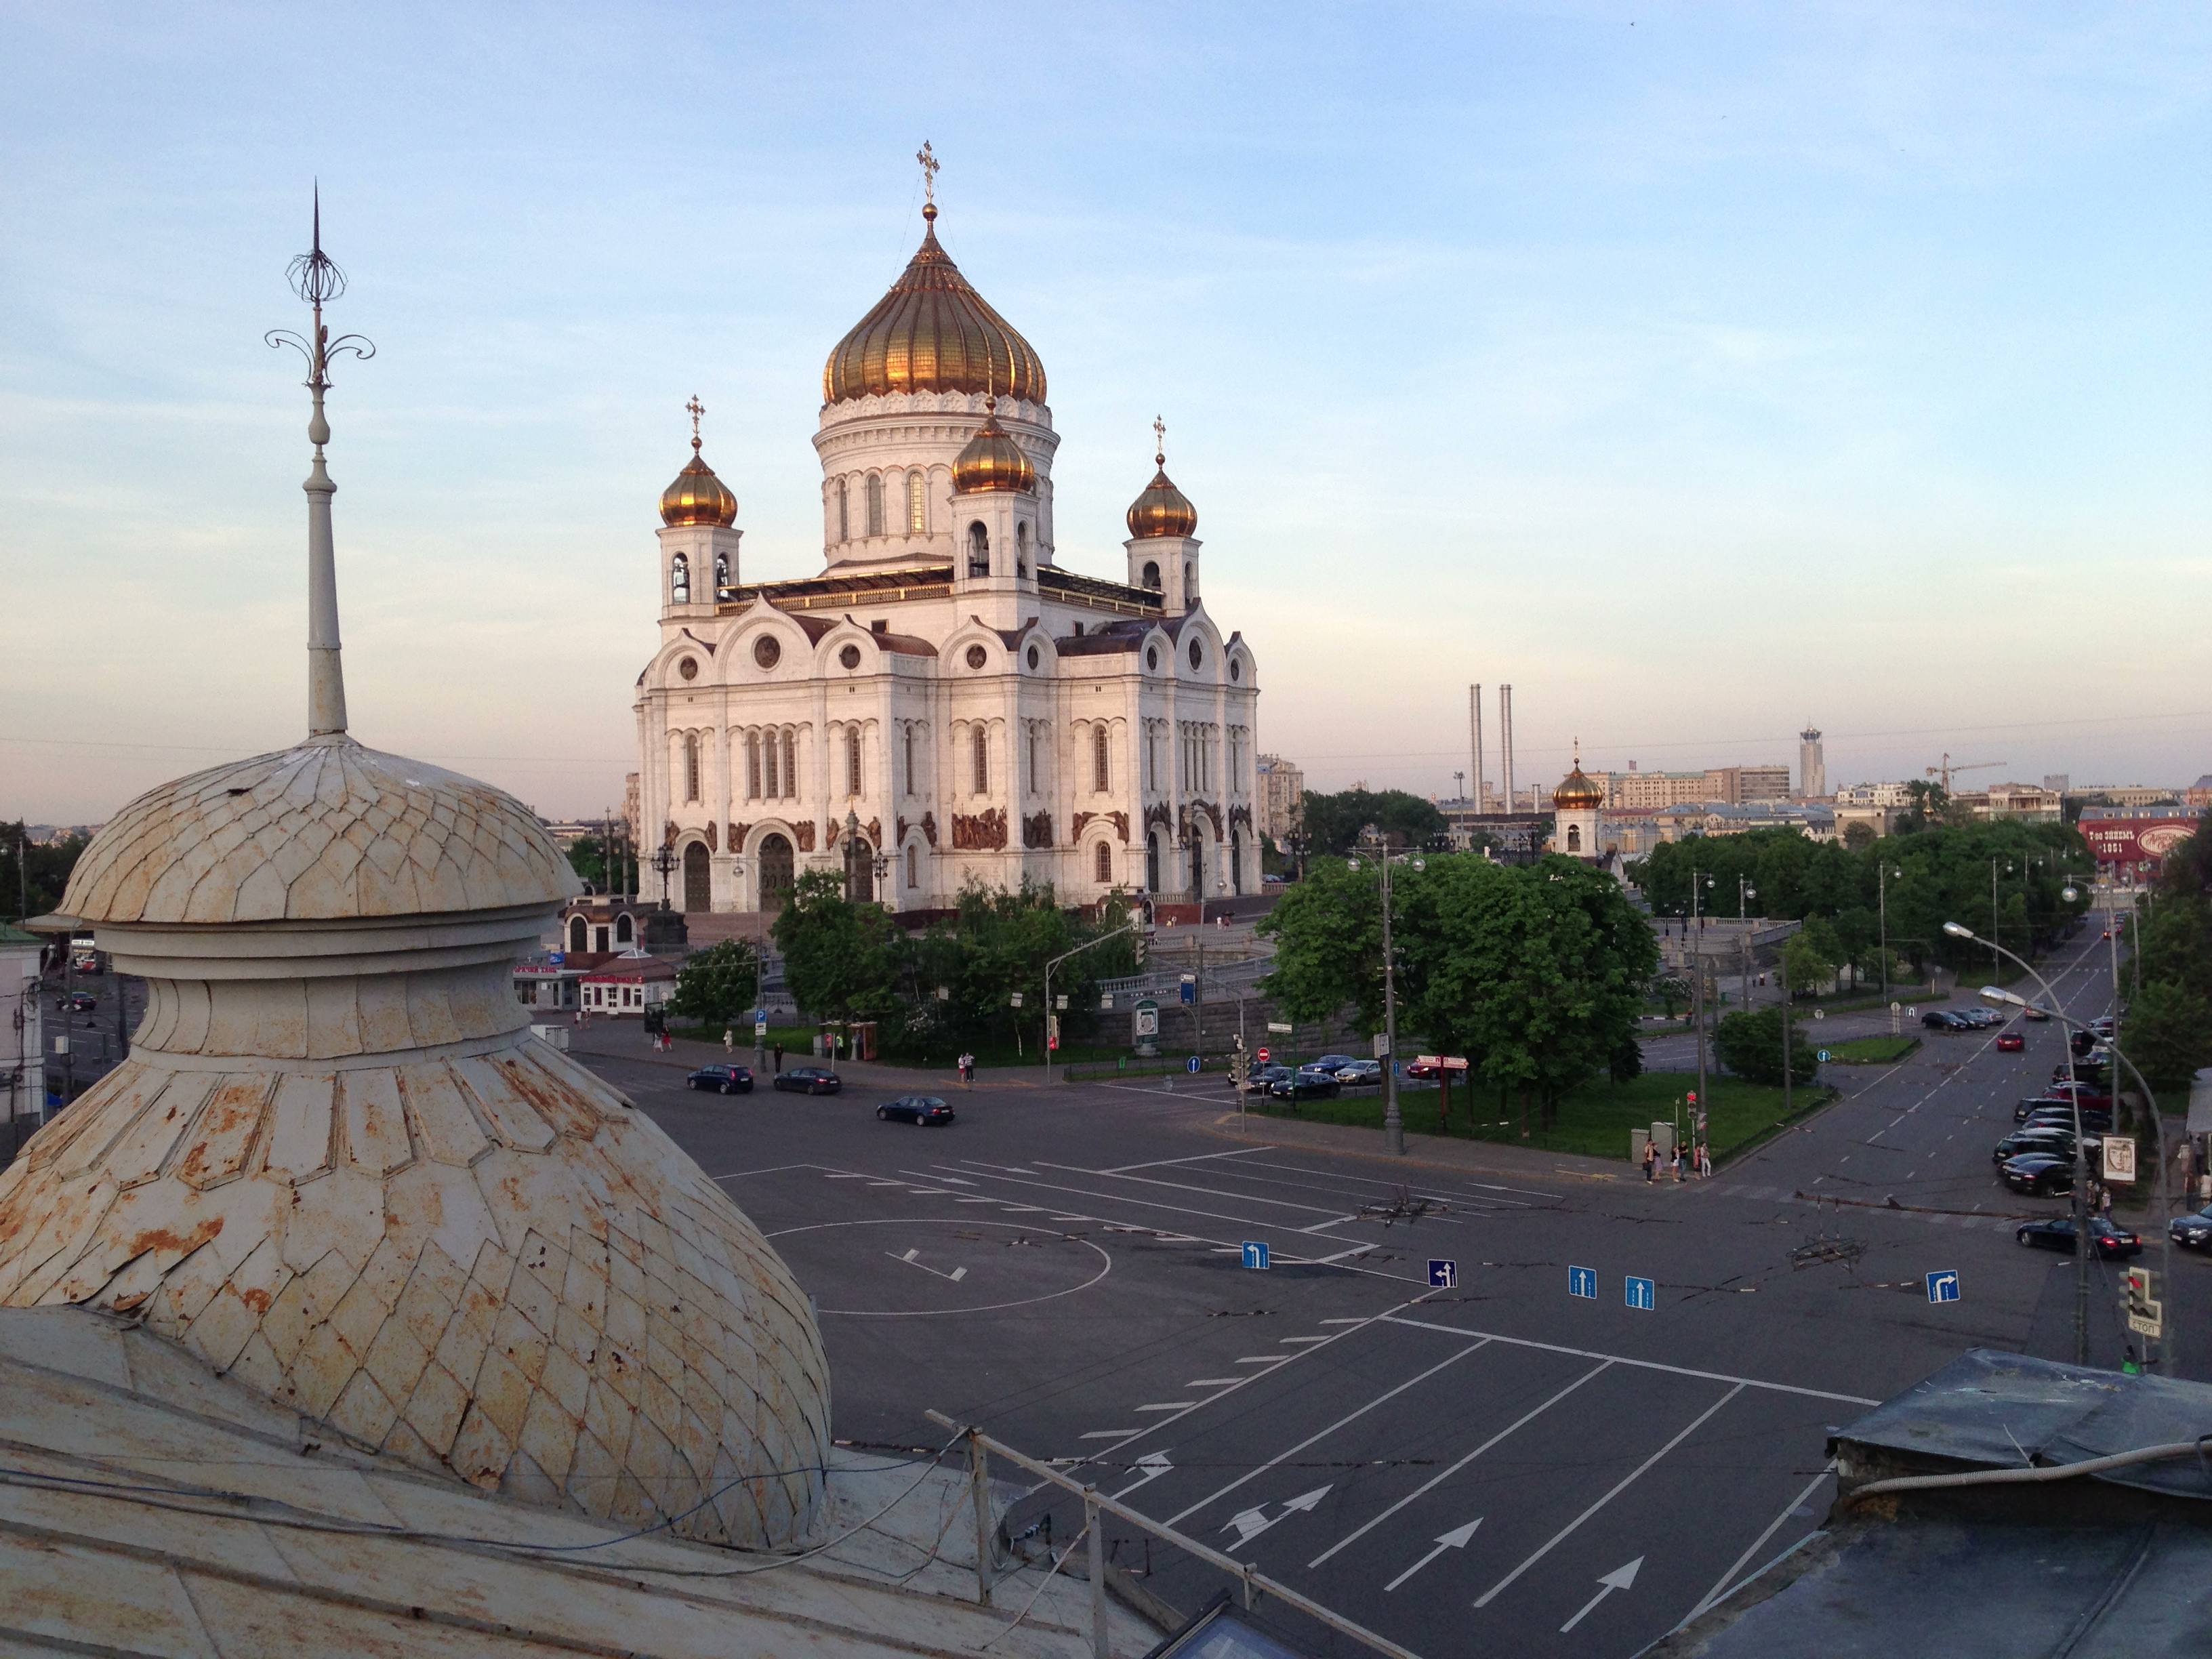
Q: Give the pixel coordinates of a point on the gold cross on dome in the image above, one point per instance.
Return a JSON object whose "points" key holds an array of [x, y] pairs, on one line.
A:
{"points": [[927, 157], [696, 409], [1159, 442]]}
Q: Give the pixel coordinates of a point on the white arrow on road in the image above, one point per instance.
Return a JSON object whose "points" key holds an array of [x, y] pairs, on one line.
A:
{"points": [[1250, 1524], [1455, 1540], [1154, 1464], [1618, 1578], [912, 1259]]}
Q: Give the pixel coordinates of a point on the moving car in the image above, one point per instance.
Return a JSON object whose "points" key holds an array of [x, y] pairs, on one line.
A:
{"points": [[1360, 1071], [924, 1110], [83, 1002], [2032, 1012], [724, 1079], [2192, 1231], [809, 1080], [2011, 1042], [1306, 1085], [2057, 1233], [2039, 1175]]}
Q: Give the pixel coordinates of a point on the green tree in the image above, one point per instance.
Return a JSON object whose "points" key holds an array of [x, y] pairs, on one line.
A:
{"points": [[718, 984], [1334, 823], [2168, 1034], [841, 960], [1808, 965], [1328, 931], [1749, 1043], [34, 874], [588, 857]]}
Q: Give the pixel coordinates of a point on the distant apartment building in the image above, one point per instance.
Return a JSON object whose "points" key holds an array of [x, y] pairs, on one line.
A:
{"points": [[1279, 798], [1812, 819], [2199, 793], [1635, 791], [2123, 794], [2018, 803]]}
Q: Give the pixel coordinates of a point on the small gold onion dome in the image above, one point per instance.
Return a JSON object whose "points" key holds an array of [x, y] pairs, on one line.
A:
{"points": [[1162, 510], [697, 496], [932, 333], [1579, 794], [992, 461]]}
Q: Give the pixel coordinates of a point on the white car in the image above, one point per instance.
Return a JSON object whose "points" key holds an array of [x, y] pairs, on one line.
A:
{"points": [[1360, 1071]]}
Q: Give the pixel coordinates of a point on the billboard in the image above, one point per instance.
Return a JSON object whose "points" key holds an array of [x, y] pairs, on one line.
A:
{"points": [[2136, 843]]}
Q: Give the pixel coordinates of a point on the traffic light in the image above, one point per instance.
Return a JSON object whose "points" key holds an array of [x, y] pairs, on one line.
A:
{"points": [[2135, 1286]]}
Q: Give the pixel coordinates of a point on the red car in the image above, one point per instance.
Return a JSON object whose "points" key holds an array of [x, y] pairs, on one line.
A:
{"points": [[2011, 1042]]}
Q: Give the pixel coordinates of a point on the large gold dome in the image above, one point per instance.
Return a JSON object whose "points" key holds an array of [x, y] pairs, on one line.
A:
{"points": [[932, 332], [697, 496], [992, 461]]}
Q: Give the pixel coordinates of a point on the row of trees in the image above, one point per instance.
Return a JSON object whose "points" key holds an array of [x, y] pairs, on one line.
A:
{"points": [[1536, 973], [2168, 1029], [952, 986], [1936, 874], [32, 874]]}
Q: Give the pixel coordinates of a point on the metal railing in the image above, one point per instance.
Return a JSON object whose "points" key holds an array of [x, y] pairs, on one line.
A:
{"points": [[1254, 1583]]}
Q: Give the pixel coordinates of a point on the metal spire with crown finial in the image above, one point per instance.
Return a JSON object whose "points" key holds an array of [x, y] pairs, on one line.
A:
{"points": [[316, 277]]}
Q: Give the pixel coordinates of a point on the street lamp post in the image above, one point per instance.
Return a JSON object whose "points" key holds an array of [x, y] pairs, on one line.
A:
{"points": [[1744, 890], [1378, 847], [1129, 926], [664, 861], [1957, 930], [1881, 878], [1698, 882]]}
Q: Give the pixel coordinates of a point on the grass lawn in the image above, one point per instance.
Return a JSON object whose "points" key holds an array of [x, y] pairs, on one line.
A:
{"points": [[1595, 1121], [1872, 1050]]}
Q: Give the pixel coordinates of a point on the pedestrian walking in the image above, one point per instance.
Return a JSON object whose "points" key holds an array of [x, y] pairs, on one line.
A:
{"points": [[1650, 1160], [779, 1059], [1678, 1163], [729, 1040]]}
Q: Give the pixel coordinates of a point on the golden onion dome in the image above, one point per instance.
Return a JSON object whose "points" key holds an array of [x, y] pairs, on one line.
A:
{"points": [[697, 496], [992, 461], [932, 333], [1579, 794], [1162, 510]]}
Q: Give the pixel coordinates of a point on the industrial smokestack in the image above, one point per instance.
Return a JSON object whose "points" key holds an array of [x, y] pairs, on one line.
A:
{"points": [[1505, 741], [1475, 733]]}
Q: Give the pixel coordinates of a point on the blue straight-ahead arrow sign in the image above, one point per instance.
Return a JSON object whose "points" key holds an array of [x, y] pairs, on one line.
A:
{"points": [[1583, 1281], [1641, 1293]]}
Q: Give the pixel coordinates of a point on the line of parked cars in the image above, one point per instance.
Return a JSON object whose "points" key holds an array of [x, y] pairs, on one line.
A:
{"points": [[1317, 1079], [1961, 1019]]}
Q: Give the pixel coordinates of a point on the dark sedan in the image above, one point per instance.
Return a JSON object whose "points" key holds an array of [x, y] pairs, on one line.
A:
{"points": [[83, 1002], [723, 1079], [2194, 1231], [2057, 1233], [1306, 1085], [926, 1110], [2053, 1139], [2039, 1175], [1265, 1077], [809, 1080]]}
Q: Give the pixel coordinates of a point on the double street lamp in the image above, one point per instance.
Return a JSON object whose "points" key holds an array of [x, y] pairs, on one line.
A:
{"points": [[1376, 847]]}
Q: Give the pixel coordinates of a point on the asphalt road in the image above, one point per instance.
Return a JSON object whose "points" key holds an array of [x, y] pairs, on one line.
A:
{"points": [[1493, 1463]]}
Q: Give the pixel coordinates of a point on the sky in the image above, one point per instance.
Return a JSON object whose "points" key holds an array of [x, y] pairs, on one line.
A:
{"points": [[1699, 370]]}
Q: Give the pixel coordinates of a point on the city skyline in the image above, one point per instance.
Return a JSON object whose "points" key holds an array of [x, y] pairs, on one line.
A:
{"points": [[1682, 370]]}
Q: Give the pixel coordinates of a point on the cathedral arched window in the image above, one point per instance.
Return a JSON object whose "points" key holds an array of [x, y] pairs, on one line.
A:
{"points": [[623, 934], [790, 764], [1574, 838], [844, 511], [1105, 864], [1100, 772], [852, 761], [1036, 780], [691, 766], [979, 549], [982, 744], [1153, 575], [767, 748], [917, 504], [875, 503], [679, 580], [912, 871], [752, 766], [721, 572], [908, 735], [1022, 550], [1189, 581]]}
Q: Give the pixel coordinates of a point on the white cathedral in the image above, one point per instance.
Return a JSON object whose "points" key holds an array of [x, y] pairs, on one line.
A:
{"points": [[980, 712]]}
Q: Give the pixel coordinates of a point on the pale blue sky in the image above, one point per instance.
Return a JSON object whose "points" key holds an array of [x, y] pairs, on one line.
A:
{"points": [[1698, 369]]}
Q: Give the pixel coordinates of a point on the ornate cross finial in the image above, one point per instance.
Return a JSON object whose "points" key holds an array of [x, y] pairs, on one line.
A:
{"points": [[927, 157], [696, 409], [1159, 442]]}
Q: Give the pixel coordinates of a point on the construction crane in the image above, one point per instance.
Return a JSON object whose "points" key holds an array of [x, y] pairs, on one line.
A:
{"points": [[1945, 769]]}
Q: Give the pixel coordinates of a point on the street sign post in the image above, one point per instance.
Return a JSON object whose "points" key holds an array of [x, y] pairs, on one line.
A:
{"points": [[1641, 1293], [1256, 1254], [1016, 1000], [1280, 1028], [1442, 1275], [1263, 1054], [1943, 1287], [1192, 1063], [2145, 1316], [1820, 1054], [1583, 1282]]}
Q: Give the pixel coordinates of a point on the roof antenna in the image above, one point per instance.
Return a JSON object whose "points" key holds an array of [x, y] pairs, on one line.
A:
{"points": [[316, 277]]}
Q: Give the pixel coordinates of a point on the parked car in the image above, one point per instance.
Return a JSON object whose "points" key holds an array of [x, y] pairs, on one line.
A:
{"points": [[1330, 1063], [2056, 1233], [82, 1002], [1423, 1070], [2034, 1103], [2192, 1231], [2010, 1043], [2032, 1012], [2101, 1026], [1360, 1071], [810, 1080], [2042, 1138], [924, 1110], [1941, 1019], [724, 1079], [1265, 1077], [1306, 1085], [2062, 1117], [2039, 1175]]}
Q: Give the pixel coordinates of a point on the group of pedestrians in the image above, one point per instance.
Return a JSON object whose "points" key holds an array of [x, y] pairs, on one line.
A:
{"points": [[1697, 1159], [967, 1065]]}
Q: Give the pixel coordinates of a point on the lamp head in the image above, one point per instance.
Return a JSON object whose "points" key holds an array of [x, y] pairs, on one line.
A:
{"points": [[2069, 893], [1957, 931], [2002, 998], [1418, 864]]}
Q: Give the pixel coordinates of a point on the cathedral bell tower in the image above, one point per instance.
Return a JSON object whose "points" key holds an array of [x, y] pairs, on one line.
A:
{"points": [[698, 535], [1163, 552], [994, 516]]}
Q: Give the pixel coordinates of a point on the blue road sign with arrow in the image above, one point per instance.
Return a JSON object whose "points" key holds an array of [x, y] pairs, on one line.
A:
{"points": [[1640, 1293], [1442, 1275], [1256, 1254], [1943, 1287], [1583, 1281], [1191, 1064]]}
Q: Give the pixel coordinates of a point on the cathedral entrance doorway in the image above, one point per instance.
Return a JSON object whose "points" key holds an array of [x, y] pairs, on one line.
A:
{"points": [[698, 885], [1197, 864], [776, 871], [1152, 862]]}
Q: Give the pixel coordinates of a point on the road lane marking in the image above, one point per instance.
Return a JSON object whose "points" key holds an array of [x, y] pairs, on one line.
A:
{"points": [[1619, 1486], [1285, 1341], [1757, 1544], [1455, 1540], [1154, 1464], [1344, 1321], [1312, 1440], [1330, 1210], [1264, 1359], [1252, 1522], [1641, 1364], [1107, 1434], [1214, 1381], [1618, 1578], [1436, 1480], [1170, 1406], [1161, 1163]]}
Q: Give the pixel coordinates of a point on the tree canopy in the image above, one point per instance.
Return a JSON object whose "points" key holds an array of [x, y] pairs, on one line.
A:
{"points": [[2168, 1032], [32, 874], [1334, 823], [718, 984]]}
